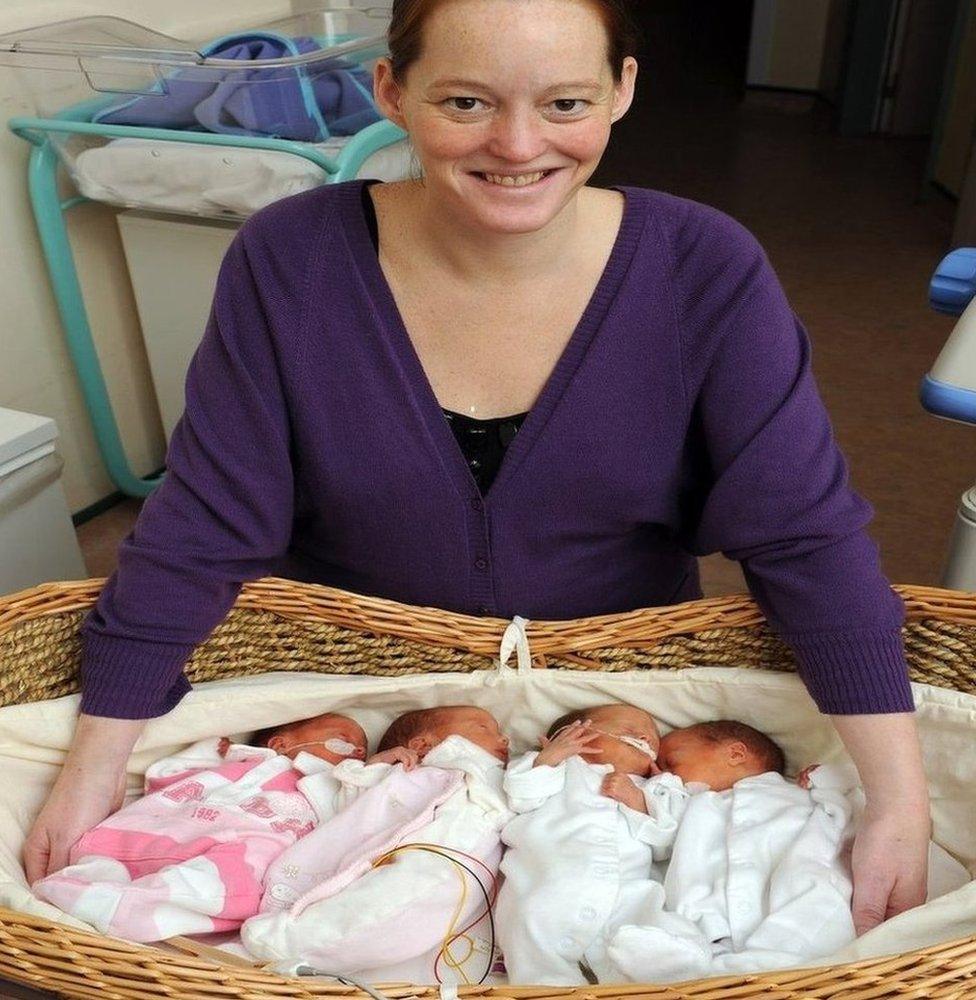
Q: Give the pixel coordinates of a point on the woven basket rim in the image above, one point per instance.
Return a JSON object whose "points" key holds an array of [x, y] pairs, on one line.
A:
{"points": [[237, 978], [475, 634]]}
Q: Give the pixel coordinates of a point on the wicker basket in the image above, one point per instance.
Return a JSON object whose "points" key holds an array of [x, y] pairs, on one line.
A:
{"points": [[305, 627]]}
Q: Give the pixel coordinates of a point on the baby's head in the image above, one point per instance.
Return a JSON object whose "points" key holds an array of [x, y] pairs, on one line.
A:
{"points": [[626, 734], [423, 729], [330, 736], [719, 754]]}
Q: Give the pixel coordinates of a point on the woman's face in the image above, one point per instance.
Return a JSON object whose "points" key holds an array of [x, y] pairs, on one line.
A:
{"points": [[508, 89]]}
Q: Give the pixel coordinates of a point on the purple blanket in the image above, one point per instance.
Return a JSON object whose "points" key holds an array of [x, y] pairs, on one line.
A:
{"points": [[308, 102]]}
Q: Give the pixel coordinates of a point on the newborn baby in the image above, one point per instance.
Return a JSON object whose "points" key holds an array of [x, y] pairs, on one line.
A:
{"points": [[190, 856], [756, 878], [375, 893], [593, 816]]}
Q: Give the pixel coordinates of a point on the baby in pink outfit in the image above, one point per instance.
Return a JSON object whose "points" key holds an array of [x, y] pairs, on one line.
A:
{"points": [[190, 856]]}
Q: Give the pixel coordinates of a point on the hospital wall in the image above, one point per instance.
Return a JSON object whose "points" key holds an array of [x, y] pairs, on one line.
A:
{"points": [[36, 374], [787, 45]]}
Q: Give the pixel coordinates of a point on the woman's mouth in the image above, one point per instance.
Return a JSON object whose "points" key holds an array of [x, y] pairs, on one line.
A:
{"points": [[516, 181]]}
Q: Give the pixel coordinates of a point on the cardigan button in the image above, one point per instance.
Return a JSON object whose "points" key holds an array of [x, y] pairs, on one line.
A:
{"points": [[477, 504], [480, 564]]}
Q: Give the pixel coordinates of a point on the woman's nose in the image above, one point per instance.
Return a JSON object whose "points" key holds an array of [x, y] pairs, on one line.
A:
{"points": [[517, 136]]}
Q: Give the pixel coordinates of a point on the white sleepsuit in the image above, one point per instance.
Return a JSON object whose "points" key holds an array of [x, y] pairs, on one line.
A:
{"points": [[757, 880], [578, 865]]}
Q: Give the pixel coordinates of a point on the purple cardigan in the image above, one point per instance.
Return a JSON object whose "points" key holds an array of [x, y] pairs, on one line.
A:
{"points": [[681, 419]]}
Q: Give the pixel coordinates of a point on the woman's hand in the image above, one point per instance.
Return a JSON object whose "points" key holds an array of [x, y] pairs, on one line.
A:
{"points": [[889, 863], [74, 806], [890, 856], [90, 786]]}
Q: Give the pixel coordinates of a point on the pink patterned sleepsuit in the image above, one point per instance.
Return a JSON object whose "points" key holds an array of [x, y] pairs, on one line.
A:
{"points": [[190, 856]]}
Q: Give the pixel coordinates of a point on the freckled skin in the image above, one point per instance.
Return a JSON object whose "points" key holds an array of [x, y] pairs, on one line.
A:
{"points": [[520, 110]]}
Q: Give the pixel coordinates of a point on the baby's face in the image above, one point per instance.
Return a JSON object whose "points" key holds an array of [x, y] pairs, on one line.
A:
{"points": [[476, 725], [615, 721], [693, 758], [331, 737]]}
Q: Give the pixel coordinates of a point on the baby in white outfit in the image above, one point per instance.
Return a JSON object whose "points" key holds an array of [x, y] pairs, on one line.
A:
{"points": [[593, 816], [758, 877]]}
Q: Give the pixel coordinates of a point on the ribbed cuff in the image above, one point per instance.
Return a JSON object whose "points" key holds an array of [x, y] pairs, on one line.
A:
{"points": [[860, 672], [130, 678]]}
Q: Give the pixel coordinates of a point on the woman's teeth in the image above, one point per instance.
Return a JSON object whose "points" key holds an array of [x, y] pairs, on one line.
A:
{"points": [[520, 181]]}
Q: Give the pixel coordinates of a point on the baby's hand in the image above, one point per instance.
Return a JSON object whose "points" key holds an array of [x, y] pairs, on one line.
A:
{"points": [[621, 787], [223, 745], [397, 755], [803, 778], [574, 739]]}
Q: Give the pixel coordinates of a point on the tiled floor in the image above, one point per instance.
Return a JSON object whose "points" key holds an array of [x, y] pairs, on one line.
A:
{"points": [[854, 246]]}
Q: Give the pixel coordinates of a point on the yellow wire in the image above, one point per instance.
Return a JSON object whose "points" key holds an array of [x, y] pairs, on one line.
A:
{"points": [[449, 959], [445, 950]]}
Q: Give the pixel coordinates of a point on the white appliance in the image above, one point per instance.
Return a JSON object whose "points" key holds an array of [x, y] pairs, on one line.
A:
{"points": [[37, 539]]}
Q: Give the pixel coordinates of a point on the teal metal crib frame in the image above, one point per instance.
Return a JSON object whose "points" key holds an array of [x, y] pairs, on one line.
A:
{"points": [[49, 213]]}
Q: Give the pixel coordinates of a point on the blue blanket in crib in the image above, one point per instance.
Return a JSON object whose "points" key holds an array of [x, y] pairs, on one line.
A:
{"points": [[307, 102]]}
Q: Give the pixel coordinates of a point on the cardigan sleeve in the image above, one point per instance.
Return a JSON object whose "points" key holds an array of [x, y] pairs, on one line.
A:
{"points": [[778, 498], [222, 515]]}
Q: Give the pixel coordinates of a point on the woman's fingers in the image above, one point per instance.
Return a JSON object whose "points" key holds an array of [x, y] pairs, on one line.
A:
{"points": [[36, 854], [57, 855], [888, 864], [870, 900]]}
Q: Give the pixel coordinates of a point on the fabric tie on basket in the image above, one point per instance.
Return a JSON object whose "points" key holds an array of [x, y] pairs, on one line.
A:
{"points": [[514, 639], [307, 103]]}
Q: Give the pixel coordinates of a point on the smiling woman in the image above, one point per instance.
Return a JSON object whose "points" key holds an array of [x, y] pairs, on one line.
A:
{"points": [[504, 141], [653, 382]]}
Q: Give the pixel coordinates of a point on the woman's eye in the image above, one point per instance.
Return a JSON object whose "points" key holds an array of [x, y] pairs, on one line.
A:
{"points": [[462, 103], [561, 105]]}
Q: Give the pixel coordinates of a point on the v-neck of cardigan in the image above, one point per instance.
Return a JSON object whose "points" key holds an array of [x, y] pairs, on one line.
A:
{"points": [[356, 230]]}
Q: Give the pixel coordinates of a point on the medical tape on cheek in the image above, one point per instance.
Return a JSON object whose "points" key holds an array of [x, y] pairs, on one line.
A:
{"points": [[640, 745]]}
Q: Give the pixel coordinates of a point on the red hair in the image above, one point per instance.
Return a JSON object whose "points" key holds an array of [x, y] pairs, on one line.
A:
{"points": [[405, 38]]}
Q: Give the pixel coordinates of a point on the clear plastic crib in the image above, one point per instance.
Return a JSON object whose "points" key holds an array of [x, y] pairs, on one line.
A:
{"points": [[138, 119]]}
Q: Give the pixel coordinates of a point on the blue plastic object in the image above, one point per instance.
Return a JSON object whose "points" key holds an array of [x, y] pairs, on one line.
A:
{"points": [[947, 401], [954, 283]]}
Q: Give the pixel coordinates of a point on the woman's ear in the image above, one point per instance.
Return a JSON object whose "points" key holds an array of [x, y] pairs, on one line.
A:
{"points": [[623, 92], [387, 93]]}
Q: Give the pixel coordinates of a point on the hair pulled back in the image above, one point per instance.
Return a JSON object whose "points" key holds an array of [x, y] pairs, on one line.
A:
{"points": [[408, 18]]}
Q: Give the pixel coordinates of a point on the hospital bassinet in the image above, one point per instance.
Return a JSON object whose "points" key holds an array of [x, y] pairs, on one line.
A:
{"points": [[277, 624], [104, 93]]}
